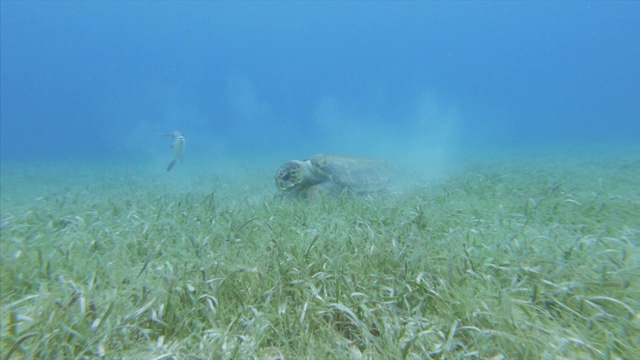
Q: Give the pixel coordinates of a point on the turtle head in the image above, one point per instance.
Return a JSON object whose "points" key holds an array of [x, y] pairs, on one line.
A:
{"points": [[293, 175]]}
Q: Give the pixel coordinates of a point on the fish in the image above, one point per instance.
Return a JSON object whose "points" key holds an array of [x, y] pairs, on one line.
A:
{"points": [[177, 145]]}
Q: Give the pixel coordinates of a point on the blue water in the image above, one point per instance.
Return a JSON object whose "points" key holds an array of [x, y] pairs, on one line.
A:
{"points": [[101, 79]]}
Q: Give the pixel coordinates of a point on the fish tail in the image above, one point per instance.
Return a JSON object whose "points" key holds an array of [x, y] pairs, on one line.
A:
{"points": [[171, 165]]}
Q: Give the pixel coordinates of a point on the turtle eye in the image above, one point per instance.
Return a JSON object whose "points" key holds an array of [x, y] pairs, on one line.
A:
{"points": [[286, 177]]}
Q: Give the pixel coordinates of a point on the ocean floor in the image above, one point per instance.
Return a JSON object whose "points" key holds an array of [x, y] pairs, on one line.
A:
{"points": [[525, 255]]}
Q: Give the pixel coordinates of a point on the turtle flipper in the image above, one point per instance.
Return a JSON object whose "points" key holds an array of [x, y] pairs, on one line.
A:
{"points": [[322, 189]]}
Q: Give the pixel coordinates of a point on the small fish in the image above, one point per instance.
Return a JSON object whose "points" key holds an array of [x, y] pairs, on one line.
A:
{"points": [[177, 144]]}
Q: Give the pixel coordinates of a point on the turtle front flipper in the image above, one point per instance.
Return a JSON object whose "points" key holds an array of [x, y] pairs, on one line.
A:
{"points": [[321, 189]]}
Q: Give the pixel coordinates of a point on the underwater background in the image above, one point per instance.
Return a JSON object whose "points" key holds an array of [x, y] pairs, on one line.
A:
{"points": [[509, 227], [399, 80]]}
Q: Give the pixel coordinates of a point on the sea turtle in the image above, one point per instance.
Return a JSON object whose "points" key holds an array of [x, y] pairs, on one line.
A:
{"points": [[324, 173]]}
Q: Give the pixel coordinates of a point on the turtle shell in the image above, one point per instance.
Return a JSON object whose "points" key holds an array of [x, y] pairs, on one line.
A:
{"points": [[356, 174]]}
